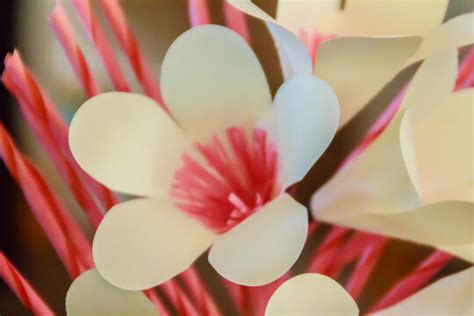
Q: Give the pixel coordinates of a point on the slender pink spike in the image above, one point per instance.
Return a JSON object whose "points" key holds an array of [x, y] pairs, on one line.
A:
{"points": [[328, 250], [417, 279], [235, 19], [198, 12], [52, 131], [153, 297], [178, 298], [466, 72], [60, 25], [22, 288], [365, 265], [66, 237], [116, 18], [199, 293], [99, 40]]}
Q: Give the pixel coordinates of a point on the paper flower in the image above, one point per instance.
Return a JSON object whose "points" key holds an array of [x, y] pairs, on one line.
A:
{"points": [[214, 176], [415, 181], [316, 294]]}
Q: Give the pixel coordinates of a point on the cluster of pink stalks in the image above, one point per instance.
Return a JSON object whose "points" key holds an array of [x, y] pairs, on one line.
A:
{"points": [[187, 293]]}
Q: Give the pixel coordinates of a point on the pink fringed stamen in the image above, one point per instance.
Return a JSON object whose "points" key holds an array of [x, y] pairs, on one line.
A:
{"points": [[68, 240], [22, 288], [235, 20], [116, 18], [198, 12], [329, 249], [98, 38], [60, 24], [238, 176]]}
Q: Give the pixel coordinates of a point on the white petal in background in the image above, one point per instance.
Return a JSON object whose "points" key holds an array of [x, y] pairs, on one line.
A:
{"points": [[311, 294], [304, 119], [379, 191], [144, 242], [127, 142], [357, 68], [264, 246], [90, 294], [294, 57], [452, 295], [211, 79]]}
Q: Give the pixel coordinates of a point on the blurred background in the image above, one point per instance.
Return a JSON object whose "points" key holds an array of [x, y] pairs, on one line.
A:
{"points": [[156, 23]]}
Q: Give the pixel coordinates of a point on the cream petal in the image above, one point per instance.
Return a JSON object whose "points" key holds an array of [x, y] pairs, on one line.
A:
{"points": [[385, 18], [127, 142], [454, 33], [311, 294], [452, 295], [357, 68], [303, 122], [376, 182], [90, 294], [294, 57], [264, 246], [211, 80], [144, 242]]}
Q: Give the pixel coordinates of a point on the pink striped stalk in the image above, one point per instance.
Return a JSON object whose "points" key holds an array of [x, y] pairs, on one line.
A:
{"points": [[68, 240], [52, 132], [235, 20], [413, 282], [365, 265], [61, 27], [155, 300], [330, 247], [116, 18], [198, 292], [178, 299], [22, 288], [99, 40], [198, 12]]}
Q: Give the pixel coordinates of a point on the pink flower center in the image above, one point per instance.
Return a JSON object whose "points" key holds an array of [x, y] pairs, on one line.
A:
{"points": [[227, 179]]}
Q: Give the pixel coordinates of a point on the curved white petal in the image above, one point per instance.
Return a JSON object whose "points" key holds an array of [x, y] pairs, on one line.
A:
{"points": [[452, 295], [454, 33], [385, 18], [294, 57], [211, 80], [311, 294], [90, 294], [357, 68], [264, 246], [303, 122], [144, 242], [126, 142]]}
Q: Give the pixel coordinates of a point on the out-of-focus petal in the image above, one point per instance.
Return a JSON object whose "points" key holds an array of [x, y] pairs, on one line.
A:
{"points": [[294, 57], [90, 294], [384, 18], [454, 33], [264, 246], [127, 142], [211, 79], [357, 68], [144, 242], [311, 294], [452, 295], [303, 122]]}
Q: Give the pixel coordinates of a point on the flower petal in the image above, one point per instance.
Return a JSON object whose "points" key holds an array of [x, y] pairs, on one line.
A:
{"points": [[311, 294], [211, 75], [451, 295], [385, 18], [144, 242], [454, 33], [303, 122], [90, 294], [127, 142], [294, 57], [264, 246], [357, 68]]}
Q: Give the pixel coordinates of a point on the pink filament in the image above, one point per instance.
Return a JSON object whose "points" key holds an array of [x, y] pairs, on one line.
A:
{"points": [[238, 176], [312, 42], [198, 12], [235, 19]]}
